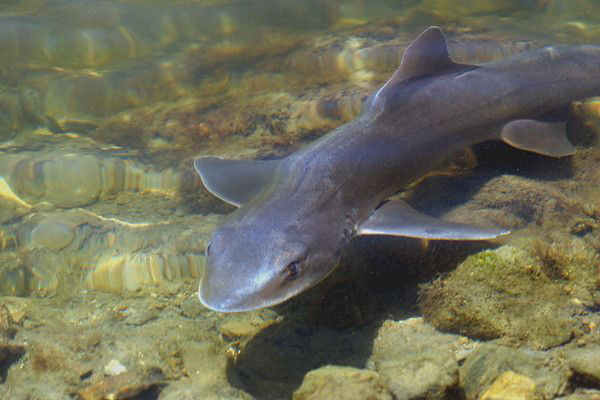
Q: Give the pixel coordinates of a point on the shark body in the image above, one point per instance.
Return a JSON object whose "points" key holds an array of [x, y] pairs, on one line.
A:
{"points": [[296, 214]]}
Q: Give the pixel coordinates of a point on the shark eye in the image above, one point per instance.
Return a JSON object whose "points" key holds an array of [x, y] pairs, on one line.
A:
{"points": [[207, 251], [292, 271]]}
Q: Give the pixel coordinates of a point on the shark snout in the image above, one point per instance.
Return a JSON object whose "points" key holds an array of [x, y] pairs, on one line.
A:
{"points": [[217, 303], [228, 301], [228, 292]]}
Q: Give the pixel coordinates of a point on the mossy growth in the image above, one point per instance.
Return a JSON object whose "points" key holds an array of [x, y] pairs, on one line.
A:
{"points": [[506, 293]]}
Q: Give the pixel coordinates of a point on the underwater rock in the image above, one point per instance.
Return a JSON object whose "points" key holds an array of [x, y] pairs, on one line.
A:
{"points": [[65, 180], [503, 293], [138, 317], [30, 272], [335, 382], [415, 361], [483, 367], [186, 389], [511, 386], [239, 328], [71, 180], [7, 345], [125, 385], [47, 250], [135, 271], [78, 178], [52, 234], [585, 363], [526, 200], [7, 329], [207, 368]]}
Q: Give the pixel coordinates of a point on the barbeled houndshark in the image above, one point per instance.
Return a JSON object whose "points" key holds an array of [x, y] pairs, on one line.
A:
{"points": [[296, 214]]}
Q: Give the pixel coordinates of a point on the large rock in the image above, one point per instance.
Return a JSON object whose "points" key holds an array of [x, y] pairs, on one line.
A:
{"points": [[415, 360], [505, 293], [483, 367], [333, 382]]}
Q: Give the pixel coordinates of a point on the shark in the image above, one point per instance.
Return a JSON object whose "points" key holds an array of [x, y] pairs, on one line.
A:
{"points": [[295, 215]]}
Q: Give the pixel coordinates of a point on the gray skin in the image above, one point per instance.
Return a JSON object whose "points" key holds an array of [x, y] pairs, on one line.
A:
{"points": [[301, 211]]}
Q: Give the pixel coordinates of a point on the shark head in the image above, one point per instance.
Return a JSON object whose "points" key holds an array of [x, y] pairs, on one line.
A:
{"points": [[255, 261]]}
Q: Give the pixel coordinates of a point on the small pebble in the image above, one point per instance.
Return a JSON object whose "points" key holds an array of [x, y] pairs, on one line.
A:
{"points": [[575, 301], [114, 367], [590, 210]]}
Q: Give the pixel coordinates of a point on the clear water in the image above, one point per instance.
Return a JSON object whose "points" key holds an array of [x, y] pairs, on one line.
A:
{"points": [[103, 222]]}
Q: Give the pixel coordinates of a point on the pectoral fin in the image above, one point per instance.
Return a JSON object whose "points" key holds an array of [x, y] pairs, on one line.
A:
{"points": [[547, 138], [396, 218], [235, 181]]}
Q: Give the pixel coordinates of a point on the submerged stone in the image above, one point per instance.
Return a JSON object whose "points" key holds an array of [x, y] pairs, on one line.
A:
{"points": [[485, 366], [130, 272], [503, 293], [124, 385], [334, 382], [51, 234], [72, 180], [585, 363], [416, 361]]}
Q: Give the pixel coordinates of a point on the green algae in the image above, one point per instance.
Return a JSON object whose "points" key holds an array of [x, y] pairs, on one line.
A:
{"points": [[508, 293]]}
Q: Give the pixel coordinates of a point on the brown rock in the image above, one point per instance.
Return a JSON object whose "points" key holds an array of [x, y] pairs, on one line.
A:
{"points": [[123, 386], [333, 382], [236, 329]]}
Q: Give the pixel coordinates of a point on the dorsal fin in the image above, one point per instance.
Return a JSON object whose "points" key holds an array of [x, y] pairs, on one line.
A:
{"points": [[426, 55]]}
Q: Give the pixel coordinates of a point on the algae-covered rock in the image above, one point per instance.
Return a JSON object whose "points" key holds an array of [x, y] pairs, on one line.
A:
{"points": [[585, 363], [416, 361], [333, 382], [502, 293], [486, 367]]}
